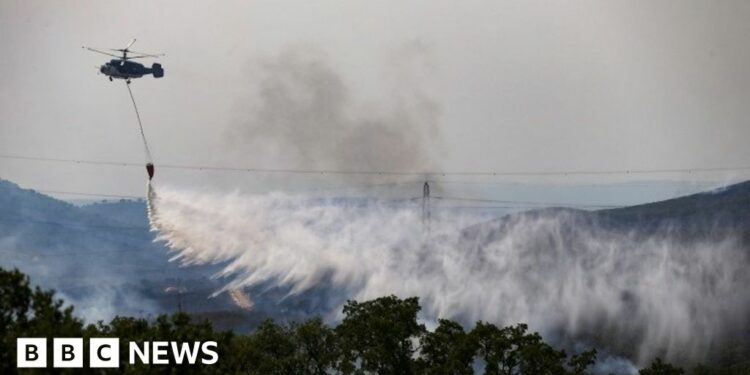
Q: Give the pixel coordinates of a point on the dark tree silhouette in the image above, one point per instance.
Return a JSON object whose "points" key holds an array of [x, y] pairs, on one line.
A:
{"points": [[381, 336]]}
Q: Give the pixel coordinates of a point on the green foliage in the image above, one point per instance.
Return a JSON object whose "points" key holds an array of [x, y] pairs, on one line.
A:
{"points": [[447, 350], [271, 350], [658, 367], [317, 347], [512, 350], [29, 313], [382, 336], [580, 362]]}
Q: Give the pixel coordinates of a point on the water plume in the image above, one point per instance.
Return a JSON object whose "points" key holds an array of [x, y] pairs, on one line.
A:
{"points": [[571, 279]]}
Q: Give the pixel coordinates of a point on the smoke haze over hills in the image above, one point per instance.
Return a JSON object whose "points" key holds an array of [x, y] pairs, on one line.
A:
{"points": [[664, 278], [643, 292]]}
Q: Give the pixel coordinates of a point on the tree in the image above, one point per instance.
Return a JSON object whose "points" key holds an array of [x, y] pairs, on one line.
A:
{"points": [[580, 362], [30, 313], [495, 348], [512, 350], [317, 347], [270, 350], [378, 336], [375, 337], [447, 350], [660, 368]]}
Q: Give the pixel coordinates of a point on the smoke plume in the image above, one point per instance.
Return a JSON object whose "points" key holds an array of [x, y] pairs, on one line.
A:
{"points": [[300, 113]]}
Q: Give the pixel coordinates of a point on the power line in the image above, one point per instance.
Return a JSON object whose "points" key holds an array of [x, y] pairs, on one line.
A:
{"points": [[71, 225], [72, 161], [386, 172], [359, 187], [535, 204], [486, 207], [89, 194], [505, 203], [315, 190], [641, 184]]}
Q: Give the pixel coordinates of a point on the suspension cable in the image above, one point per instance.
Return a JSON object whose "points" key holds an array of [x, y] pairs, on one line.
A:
{"points": [[140, 125]]}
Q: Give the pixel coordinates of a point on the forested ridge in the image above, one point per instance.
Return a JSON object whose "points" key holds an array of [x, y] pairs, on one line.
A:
{"points": [[381, 336]]}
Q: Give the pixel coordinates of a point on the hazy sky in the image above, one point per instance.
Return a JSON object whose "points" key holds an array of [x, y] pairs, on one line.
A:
{"points": [[438, 85]]}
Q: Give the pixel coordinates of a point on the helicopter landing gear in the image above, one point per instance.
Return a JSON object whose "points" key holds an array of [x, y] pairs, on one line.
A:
{"points": [[110, 79]]}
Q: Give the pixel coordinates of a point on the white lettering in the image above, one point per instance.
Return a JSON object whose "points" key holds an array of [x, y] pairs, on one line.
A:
{"points": [[136, 350], [160, 353], [185, 350], [207, 351]]}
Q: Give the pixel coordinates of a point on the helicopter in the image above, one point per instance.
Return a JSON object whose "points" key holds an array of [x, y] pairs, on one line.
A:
{"points": [[123, 68]]}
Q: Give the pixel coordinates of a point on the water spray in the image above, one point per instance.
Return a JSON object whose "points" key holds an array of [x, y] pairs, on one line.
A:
{"points": [[554, 271]]}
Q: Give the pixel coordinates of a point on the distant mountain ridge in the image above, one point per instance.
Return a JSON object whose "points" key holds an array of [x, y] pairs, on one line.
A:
{"points": [[727, 207], [64, 246], [101, 257], [719, 211]]}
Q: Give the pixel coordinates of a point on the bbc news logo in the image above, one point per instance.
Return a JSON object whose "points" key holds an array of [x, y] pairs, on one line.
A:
{"points": [[105, 353]]}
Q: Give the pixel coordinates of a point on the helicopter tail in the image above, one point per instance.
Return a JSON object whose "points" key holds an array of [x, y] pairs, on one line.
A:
{"points": [[157, 70]]}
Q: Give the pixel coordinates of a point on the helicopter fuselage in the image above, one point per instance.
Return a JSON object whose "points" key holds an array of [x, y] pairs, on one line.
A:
{"points": [[117, 68]]}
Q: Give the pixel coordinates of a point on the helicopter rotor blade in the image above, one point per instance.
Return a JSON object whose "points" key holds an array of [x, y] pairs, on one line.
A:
{"points": [[126, 49], [147, 54], [142, 56], [98, 51]]}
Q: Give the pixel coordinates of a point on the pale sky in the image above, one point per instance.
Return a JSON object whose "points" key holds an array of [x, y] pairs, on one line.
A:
{"points": [[488, 86]]}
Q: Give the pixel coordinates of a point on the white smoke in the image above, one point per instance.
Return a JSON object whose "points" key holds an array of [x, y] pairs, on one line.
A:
{"points": [[652, 296]]}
